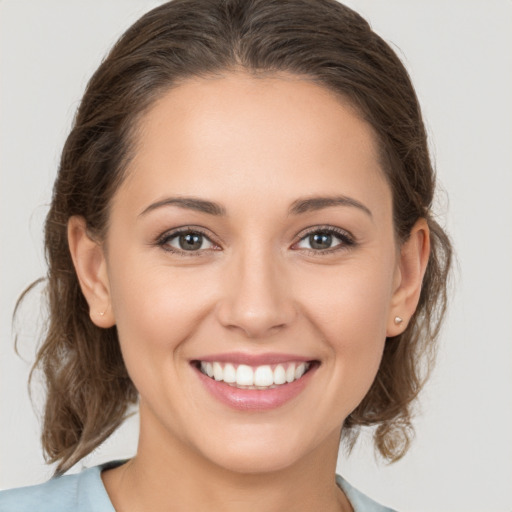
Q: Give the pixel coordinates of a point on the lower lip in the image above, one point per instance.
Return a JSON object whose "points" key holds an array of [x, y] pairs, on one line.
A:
{"points": [[255, 399]]}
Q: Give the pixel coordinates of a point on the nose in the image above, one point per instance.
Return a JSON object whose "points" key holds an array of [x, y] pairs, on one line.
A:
{"points": [[256, 295]]}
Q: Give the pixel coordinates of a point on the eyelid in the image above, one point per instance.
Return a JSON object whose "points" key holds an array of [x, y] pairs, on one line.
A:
{"points": [[163, 239], [346, 238]]}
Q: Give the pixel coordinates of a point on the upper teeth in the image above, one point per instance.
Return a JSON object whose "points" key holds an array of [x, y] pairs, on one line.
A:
{"points": [[254, 377]]}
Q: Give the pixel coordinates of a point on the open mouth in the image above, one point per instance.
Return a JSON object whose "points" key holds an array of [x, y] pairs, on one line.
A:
{"points": [[242, 376]]}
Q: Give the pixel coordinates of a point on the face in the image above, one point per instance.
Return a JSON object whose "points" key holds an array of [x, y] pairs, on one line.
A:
{"points": [[251, 265]]}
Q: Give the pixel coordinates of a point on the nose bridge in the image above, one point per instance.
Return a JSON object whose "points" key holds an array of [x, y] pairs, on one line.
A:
{"points": [[255, 296]]}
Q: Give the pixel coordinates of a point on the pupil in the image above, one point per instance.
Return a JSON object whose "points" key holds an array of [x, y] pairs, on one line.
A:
{"points": [[191, 241], [320, 240]]}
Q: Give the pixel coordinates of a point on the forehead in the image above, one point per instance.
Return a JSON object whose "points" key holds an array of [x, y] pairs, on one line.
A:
{"points": [[260, 135]]}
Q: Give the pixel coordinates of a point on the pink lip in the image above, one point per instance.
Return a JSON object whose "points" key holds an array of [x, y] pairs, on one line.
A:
{"points": [[255, 399], [253, 359]]}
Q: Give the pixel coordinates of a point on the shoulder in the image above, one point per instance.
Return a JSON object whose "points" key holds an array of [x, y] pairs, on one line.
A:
{"points": [[83, 492], [359, 501]]}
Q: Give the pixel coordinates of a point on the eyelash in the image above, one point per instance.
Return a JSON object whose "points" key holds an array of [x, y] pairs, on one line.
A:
{"points": [[346, 240], [164, 239]]}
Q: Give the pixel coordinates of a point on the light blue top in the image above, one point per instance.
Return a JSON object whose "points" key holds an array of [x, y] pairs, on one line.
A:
{"points": [[85, 492]]}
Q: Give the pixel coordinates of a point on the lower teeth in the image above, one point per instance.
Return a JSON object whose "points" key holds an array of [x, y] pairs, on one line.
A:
{"points": [[235, 385]]}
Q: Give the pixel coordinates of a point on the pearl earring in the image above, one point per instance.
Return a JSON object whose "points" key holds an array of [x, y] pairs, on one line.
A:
{"points": [[398, 320]]}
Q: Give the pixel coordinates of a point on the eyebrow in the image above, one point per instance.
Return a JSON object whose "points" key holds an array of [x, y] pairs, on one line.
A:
{"points": [[298, 207], [190, 203], [318, 203]]}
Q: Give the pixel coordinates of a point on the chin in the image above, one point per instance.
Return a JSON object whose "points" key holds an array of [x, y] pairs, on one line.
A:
{"points": [[257, 453], [255, 462]]}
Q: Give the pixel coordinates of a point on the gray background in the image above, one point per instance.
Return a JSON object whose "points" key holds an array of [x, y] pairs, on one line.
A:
{"points": [[458, 53]]}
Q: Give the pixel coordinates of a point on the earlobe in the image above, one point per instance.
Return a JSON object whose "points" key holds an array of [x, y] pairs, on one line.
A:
{"points": [[412, 265], [90, 266]]}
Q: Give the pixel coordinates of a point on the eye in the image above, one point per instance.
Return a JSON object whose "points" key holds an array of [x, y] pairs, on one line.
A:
{"points": [[325, 240], [186, 241]]}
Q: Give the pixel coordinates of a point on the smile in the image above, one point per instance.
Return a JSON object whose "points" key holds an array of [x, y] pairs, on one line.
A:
{"points": [[262, 377], [255, 382]]}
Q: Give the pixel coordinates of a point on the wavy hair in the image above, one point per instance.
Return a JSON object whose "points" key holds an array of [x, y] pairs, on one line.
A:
{"points": [[88, 390]]}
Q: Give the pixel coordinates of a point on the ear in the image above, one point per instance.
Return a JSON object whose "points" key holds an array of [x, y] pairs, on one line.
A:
{"points": [[90, 266], [412, 264]]}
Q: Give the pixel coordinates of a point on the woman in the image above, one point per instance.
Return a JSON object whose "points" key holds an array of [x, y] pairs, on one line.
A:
{"points": [[241, 241]]}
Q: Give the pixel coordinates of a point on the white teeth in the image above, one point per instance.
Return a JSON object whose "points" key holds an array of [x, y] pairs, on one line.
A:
{"points": [[244, 375], [260, 377], [263, 376], [290, 373], [229, 373], [299, 372], [279, 375], [218, 374]]}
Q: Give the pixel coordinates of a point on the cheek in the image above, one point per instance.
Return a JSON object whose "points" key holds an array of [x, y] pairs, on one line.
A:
{"points": [[352, 301], [155, 306], [350, 309], [157, 311]]}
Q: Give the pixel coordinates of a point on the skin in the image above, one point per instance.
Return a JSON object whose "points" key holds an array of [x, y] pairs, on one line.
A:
{"points": [[254, 146]]}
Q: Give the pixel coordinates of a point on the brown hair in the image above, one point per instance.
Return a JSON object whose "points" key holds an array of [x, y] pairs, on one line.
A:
{"points": [[88, 388]]}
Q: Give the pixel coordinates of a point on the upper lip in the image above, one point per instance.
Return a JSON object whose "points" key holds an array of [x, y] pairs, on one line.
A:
{"points": [[253, 359]]}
